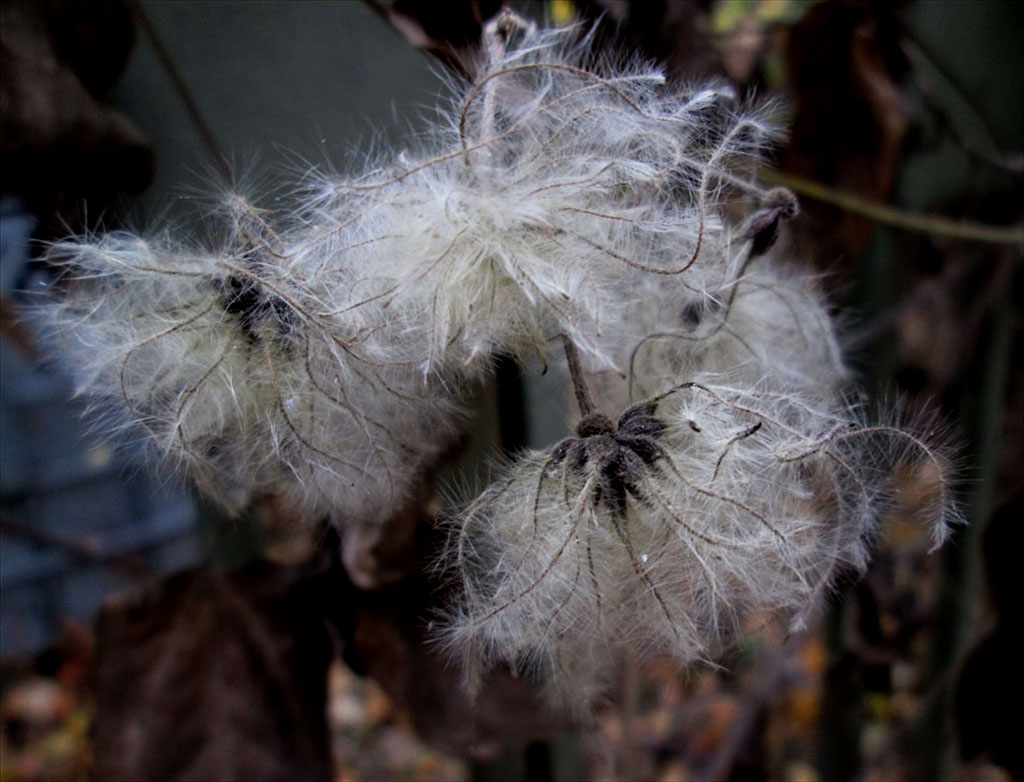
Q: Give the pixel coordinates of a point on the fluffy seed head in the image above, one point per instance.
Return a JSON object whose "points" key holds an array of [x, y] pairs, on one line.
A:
{"points": [[324, 353], [554, 179], [231, 372], [702, 508]]}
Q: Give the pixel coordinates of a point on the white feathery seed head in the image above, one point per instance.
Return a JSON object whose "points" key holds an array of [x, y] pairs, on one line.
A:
{"points": [[554, 179], [322, 351], [667, 531], [769, 327]]}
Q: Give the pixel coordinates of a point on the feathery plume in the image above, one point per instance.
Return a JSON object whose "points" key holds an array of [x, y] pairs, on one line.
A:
{"points": [[665, 532], [561, 177]]}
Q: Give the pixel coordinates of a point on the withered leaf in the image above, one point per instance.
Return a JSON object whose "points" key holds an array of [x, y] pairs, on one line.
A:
{"points": [[207, 675]]}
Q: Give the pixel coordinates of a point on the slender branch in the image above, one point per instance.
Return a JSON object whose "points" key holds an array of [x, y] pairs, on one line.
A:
{"points": [[76, 550], [916, 49], [881, 213], [220, 160]]}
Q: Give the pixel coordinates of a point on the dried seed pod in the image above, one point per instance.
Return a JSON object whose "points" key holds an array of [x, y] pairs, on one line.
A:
{"points": [[778, 205]]}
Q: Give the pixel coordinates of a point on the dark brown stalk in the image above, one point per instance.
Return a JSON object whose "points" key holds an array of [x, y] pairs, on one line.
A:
{"points": [[583, 398]]}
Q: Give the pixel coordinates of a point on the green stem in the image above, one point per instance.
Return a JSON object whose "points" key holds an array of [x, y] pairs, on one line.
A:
{"points": [[881, 213]]}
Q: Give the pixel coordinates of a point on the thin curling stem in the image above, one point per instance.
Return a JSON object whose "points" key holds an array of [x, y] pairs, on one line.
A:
{"points": [[583, 398]]}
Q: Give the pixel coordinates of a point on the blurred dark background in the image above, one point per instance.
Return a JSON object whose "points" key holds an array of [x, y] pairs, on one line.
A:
{"points": [[907, 149]]}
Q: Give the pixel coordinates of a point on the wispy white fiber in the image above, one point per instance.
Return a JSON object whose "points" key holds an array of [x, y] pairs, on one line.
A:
{"points": [[769, 326], [554, 177]]}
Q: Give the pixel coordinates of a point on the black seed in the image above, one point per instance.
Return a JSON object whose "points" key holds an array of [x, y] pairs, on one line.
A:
{"points": [[692, 314], [247, 300]]}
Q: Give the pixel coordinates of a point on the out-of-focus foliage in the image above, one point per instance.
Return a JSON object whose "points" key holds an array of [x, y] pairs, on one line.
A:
{"points": [[910, 107]]}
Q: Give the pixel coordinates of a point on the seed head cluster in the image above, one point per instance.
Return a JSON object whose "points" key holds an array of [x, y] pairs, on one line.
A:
{"points": [[327, 352]]}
